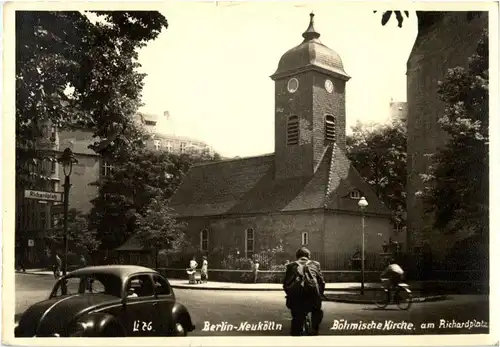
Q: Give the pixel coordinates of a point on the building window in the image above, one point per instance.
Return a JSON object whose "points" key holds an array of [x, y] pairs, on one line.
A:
{"points": [[305, 238], [53, 134], [183, 147], [292, 131], [169, 147], [106, 168], [329, 128], [43, 218], [53, 167], [204, 240], [355, 194], [249, 242], [55, 186], [157, 145]]}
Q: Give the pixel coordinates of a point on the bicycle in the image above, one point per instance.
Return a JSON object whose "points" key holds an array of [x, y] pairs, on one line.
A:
{"points": [[401, 296], [306, 328]]}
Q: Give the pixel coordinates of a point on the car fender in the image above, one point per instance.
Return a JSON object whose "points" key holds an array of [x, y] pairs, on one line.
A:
{"points": [[181, 314], [94, 324]]}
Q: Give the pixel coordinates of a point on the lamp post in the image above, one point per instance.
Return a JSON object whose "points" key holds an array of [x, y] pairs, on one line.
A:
{"points": [[362, 203], [67, 159]]}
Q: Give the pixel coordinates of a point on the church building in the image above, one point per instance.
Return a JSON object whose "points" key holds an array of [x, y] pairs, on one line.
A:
{"points": [[307, 192]]}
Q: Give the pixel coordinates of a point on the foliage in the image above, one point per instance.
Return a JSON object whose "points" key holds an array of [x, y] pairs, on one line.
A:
{"points": [[131, 187], [157, 229], [378, 152], [424, 18], [74, 72], [457, 182], [80, 239]]}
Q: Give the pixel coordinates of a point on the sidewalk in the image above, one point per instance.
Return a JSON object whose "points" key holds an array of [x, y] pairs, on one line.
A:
{"points": [[184, 284]]}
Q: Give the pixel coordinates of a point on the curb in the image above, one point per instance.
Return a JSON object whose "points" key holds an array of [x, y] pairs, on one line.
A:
{"points": [[33, 273], [369, 302], [277, 289]]}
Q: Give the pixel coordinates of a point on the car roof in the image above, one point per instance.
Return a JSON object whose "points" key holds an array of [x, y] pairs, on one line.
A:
{"points": [[116, 270]]}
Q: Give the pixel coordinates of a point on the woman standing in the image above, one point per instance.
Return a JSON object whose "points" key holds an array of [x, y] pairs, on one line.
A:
{"points": [[204, 270]]}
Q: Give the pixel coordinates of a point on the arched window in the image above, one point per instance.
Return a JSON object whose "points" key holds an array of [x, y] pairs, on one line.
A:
{"points": [[292, 131], [249, 242], [305, 238], [329, 128], [204, 240]]}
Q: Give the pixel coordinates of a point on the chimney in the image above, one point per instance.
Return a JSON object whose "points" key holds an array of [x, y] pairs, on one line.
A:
{"points": [[166, 114]]}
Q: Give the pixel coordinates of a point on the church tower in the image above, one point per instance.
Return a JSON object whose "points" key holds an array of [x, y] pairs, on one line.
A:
{"points": [[309, 105]]}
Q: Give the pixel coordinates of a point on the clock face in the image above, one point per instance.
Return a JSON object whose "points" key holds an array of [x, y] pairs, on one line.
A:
{"points": [[293, 85], [329, 86]]}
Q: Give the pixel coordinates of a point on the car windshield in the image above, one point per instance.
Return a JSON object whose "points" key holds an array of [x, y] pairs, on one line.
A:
{"points": [[89, 284]]}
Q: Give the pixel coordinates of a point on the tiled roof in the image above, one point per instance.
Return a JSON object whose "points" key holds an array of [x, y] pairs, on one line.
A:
{"points": [[248, 186]]}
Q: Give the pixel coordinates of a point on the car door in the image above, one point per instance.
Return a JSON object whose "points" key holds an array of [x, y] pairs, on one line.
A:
{"points": [[166, 301], [140, 308]]}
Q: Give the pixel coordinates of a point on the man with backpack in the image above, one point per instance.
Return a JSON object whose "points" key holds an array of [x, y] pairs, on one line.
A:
{"points": [[304, 287]]}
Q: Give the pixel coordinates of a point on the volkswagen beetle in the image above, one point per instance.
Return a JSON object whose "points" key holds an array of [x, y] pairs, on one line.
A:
{"points": [[107, 301]]}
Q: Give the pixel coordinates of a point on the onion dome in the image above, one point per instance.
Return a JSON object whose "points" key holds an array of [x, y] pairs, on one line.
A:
{"points": [[311, 54]]}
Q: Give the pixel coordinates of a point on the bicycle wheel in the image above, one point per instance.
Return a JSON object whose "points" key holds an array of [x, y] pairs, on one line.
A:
{"points": [[306, 329], [403, 299], [381, 300]]}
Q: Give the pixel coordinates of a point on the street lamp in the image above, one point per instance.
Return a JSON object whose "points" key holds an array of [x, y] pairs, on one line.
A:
{"points": [[362, 203], [67, 159]]}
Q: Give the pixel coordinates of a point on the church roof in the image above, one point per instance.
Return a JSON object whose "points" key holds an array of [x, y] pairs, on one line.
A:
{"points": [[248, 186], [310, 54]]}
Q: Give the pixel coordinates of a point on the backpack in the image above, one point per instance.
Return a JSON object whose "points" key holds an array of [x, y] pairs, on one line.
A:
{"points": [[304, 283]]}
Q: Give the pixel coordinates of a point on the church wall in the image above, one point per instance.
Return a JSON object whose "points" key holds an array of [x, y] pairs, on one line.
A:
{"points": [[229, 232], [343, 232], [447, 44]]}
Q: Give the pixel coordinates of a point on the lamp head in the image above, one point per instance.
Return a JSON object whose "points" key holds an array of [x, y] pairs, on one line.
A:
{"points": [[362, 203], [67, 159]]}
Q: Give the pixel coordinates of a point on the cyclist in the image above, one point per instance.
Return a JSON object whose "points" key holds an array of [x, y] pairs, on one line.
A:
{"points": [[394, 273], [304, 287]]}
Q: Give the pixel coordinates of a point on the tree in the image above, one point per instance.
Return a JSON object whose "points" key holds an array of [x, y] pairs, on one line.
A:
{"points": [[80, 239], [424, 18], [457, 182], [157, 228], [133, 184], [72, 72], [378, 152]]}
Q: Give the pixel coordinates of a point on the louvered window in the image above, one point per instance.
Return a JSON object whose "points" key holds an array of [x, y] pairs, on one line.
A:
{"points": [[329, 128], [292, 134]]}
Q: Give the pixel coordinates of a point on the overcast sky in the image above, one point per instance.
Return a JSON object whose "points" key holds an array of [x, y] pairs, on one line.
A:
{"points": [[210, 69]]}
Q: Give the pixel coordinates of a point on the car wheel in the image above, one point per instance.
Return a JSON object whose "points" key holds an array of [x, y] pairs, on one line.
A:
{"points": [[113, 331], [179, 330]]}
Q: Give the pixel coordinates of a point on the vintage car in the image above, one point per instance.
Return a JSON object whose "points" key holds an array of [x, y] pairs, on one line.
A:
{"points": [[106, 301]]}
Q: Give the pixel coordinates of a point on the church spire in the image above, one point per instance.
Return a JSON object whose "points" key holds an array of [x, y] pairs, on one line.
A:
{"points": [[311, 33]]}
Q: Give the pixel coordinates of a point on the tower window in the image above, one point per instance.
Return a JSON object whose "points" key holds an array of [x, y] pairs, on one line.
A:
{"points": [[292, 131], [329, 128]]}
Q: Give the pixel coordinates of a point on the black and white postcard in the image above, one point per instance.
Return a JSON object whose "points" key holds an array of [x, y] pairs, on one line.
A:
{"points": [[249, 173]]}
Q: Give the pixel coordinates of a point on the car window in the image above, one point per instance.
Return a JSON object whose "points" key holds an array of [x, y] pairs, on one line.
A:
{"points": [[91, 284], [161, 286], [139, 286]]}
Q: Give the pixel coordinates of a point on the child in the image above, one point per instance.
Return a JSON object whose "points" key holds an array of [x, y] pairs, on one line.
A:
{"points": [[204, 270]]}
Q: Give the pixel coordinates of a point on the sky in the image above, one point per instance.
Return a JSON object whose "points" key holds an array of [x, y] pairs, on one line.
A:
{"points": [[210, 69]]}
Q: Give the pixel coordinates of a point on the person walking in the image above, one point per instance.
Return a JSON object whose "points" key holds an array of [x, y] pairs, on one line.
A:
{"points": [[304, 286], [255, 270], [83, 261], [57, 266], [204, 270]]}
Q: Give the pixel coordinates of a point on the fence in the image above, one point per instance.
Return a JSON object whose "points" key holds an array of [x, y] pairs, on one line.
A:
{"points": [[267, 262]]}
